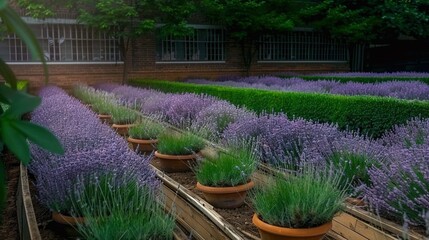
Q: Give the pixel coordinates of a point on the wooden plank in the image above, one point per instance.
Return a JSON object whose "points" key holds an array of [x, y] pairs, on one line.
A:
{"points": [[192, 220], [196, 205], [29, 228], [345, 231], [362, 227], [333, 235], [383, 224]]}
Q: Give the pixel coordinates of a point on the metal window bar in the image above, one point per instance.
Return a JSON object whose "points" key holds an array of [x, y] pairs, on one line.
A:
{"points": [[201, 45], [301, 46]]}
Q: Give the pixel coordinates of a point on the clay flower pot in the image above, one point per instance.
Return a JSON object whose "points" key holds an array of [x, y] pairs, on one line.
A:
{"points": [[67, 220], [225, 197], [271, 232], [175, 163], [105, 118], [143, 145], [122, 129]]}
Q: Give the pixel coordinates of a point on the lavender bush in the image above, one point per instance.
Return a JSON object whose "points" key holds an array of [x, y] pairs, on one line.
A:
{"points": [[397, 89], [281, 139], [401, 187], [373, 74], [413, 134], [91, 148], [217, 116]]}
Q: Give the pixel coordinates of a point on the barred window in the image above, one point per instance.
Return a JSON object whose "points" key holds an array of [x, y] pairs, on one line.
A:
{"points": [[202, 45], [301, 46], [63, 42]]}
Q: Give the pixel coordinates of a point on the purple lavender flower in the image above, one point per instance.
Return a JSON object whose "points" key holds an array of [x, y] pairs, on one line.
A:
{"points": [[414, 133], [91, 148], [373, 74], [217, 116], [402, 185]]}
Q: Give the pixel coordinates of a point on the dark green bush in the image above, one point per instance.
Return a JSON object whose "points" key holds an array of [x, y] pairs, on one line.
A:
{"points": [[369, 115]]}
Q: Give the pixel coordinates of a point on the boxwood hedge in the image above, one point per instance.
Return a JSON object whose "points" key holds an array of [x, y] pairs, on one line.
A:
{"points": [[369, 115]]}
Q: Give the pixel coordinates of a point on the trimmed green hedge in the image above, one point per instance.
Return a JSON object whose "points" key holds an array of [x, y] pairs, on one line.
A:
{"points": [[361, 79], [370, 115]]}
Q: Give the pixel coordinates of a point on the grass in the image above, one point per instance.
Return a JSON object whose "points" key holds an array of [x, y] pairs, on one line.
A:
{"points": [[179, 144], [308, 199], [228, 169]]}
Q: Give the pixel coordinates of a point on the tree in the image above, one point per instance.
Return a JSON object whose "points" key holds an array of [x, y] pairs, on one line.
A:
{"points": [[125, 20], [367, 21], [245, 20], [15, 133]]}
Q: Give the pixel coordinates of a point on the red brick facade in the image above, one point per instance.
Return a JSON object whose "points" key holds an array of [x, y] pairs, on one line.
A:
{"points": [[142, 64]]}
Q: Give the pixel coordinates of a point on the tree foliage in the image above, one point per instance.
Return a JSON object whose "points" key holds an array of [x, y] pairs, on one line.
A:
{"points": [[245, 20], [362, 21]]}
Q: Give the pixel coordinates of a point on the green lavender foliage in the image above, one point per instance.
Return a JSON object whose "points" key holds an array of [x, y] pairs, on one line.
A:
{"points": [[308, 199], [179, 144]]}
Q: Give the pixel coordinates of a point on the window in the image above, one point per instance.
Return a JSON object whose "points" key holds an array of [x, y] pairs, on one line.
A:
{"points": [[301, 46], [202, 45], [63, 42]]}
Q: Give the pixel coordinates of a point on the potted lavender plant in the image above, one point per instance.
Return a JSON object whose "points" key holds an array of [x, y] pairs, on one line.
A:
{"points": [[123, 118], [225, 179], [300, 206], [144, 135], [177, 152]]}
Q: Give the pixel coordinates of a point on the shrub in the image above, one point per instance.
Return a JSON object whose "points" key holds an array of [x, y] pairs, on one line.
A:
{"points": [[90, 148], [401, 187], [368, 115], [123, 115]]}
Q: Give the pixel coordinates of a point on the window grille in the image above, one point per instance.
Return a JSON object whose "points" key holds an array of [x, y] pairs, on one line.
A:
{"points": [[63, 43], [201, 45], [301, 46]]}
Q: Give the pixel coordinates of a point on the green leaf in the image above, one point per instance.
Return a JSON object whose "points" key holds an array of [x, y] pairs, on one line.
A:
{"points": [[7, 74], [14, 140], [22, 104], [40, 136], [3, 4]]}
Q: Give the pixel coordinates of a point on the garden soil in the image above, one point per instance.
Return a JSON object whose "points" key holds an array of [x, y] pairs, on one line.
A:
{"points": [[9, 226]]}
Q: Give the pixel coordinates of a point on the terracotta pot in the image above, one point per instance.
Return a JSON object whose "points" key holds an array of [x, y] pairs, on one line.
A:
{"points": [[122, 129], [271, 232], [143, 145], [175, 163], [105, 118], [225, 197], [67, 220]]}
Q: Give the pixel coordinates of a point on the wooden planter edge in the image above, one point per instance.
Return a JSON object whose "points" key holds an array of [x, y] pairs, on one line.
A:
{"points": [[27, 222], [198, 206]]}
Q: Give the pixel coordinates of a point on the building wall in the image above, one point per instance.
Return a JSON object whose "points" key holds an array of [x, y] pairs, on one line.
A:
{"points": [[142, 64]]}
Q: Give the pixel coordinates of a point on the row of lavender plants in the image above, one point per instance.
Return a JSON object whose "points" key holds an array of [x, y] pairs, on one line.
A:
{"points": [[391, 173], [376, 74], [96, 159], [396, 89]]}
